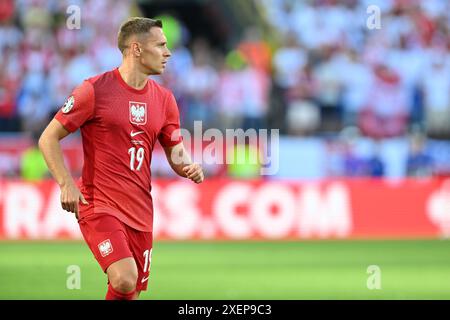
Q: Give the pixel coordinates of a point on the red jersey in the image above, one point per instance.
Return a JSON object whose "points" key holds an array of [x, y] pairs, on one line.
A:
{"points": [[119, 127]]}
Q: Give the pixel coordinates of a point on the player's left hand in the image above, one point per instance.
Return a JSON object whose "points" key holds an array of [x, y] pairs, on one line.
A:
{"points": [[194, 172]]}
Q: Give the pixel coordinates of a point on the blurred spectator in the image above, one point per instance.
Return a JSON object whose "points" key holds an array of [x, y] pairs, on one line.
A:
{"points": [[294, 78], [228, 95], [347, 159], [385, 114], [6, 10], [375, 165], [354, 164], [199, 86], [33, 166], [288, 60], [255, 50], [254, 79], [334, 166], [303, 113], [329, 80], [356, 83], [8, 91], [419, 162], [34, 104], [436, 88], [255, 88]]}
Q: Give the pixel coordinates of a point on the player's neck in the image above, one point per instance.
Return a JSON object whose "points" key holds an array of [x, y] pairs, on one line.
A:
{"points": [[132, 76]]}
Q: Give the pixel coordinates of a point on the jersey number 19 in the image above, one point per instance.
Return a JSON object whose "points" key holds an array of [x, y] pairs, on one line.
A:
{"points": [[136, 156]]}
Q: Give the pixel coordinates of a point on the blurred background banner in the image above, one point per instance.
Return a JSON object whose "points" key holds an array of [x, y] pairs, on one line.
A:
{"points": [[226, 209], [359, 91]]}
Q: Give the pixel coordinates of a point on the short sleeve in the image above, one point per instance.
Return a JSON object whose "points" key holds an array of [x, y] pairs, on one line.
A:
{"points": [[170, 134], [78, 108]]}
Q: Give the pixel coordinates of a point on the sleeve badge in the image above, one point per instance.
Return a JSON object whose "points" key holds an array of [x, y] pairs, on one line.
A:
{"points": [[68, 105]]}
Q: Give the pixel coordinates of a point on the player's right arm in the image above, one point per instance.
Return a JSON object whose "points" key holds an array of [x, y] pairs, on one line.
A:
{"points": [[49, 144], [78, 109]]}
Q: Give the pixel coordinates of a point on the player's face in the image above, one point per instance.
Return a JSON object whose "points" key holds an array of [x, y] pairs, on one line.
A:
{"points": [[154, 52]]}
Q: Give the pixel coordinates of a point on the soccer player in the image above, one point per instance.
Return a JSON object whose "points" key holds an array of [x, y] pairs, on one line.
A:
{"points": [[121, 114]]}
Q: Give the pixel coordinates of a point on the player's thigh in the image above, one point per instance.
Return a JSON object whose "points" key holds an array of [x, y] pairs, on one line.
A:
{"points": [[107, 238]]}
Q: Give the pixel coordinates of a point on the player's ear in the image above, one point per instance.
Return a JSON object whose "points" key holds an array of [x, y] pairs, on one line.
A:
{"points": [[136, 49]]}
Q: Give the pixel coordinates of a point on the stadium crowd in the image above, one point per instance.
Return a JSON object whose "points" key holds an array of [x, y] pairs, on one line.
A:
{"points": [[324, 74]]}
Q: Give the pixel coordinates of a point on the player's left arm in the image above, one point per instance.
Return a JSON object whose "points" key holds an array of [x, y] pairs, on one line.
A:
{"points": [[181, 163]]}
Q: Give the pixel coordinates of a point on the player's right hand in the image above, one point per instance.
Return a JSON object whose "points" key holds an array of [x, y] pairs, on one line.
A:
{"points": [[70, 198]]}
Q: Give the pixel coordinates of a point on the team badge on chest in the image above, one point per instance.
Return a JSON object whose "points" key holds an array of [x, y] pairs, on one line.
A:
{"points": [[138, 113]]}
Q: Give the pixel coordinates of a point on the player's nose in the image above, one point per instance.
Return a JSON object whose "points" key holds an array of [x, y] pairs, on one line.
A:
{"points": [[167, 53]]}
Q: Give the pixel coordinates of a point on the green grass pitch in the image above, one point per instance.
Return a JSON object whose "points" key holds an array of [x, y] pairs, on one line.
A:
{"points": [[410, 269]]}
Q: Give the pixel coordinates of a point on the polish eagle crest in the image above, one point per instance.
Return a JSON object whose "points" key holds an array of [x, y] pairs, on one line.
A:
{"points": [[138, 113]]}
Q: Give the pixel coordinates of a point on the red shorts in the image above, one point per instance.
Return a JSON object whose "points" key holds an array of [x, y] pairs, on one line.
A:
{"points": [[111, 240]]}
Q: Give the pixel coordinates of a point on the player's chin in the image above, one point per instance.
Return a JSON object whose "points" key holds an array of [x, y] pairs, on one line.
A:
{"points": [[152, 71]]}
